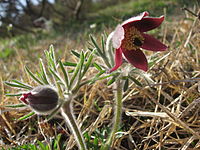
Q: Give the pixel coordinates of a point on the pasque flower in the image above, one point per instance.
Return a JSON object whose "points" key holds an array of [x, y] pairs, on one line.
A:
{"points": [[42, 99], [129, 37]]}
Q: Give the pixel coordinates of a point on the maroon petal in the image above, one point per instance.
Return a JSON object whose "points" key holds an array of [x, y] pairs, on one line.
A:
{"points": [[136, 18], [150, 43], [147, 23], [118, 59], [136, 58]]}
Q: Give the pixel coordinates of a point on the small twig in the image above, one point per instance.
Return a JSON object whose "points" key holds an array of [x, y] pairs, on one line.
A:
{"points": [[191, 12]]}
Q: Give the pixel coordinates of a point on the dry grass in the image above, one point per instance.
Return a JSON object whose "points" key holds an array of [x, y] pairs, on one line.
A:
{"points": [[163, 114]]}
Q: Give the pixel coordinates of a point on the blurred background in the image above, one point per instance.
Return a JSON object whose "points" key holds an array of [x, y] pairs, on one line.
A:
{"points": [[31, 16]]}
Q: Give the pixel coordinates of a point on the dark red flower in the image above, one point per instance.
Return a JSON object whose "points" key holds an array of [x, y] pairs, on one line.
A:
{"points": [[42, 99], [129, 37]]}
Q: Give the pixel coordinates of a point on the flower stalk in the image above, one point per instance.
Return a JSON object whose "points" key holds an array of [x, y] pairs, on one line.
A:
{"points": [[66, 111], [117, 114]]}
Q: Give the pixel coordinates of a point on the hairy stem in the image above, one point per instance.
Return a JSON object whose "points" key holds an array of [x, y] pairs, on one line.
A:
{"points": [[67, 113], [117, 115]]}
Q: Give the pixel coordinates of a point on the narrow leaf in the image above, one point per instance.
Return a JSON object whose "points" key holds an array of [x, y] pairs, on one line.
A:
{"points": [[103, 44], [27, 116], [98, 67], [75, 53], [33, 76], [52, 58], [77, 69], [65, 73], [88, 64], [126, 84], [10, 94], [43, 72], [23, 84], [96, 45], [15, 106], [135, 81], [69, 64], [16, 85], [58, 78], [111, 81]]}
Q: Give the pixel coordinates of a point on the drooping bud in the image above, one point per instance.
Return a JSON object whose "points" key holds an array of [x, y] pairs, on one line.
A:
{"points": [[42, 99]]}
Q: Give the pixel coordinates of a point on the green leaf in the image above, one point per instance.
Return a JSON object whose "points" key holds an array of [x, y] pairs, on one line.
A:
{"points": [[27, 116], [75, 53], [135, 81], [33, 76], [103, 44], [15, 106], [95, 142], [43, 72], [82, 60], [22, 84], [97, 76], [86, 135], [98, 67], [88, 64], [56, 145], [51, 57], [16, 85], [100, 52], [111, 81], [77, 69], [96, 45], [65, 73], [42, 146], [126, 84], [57, 77], [10, 94], [69, 64]]}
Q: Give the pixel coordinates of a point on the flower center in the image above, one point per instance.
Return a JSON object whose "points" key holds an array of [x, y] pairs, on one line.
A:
{"points": [[133, 39]]}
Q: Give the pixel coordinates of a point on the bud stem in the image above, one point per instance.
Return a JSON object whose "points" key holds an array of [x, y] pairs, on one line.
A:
{"points": [[66, 111], [117, 115]]}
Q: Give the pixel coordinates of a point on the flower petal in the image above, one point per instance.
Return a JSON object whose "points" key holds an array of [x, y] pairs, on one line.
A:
{"points": [[118, 59], [136, 18], [118, 36], [136, 58], [147, 23], [150, 43]]}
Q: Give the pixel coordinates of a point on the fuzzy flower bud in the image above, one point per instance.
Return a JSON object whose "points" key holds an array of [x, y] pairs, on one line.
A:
{"points": [[42, 99]]}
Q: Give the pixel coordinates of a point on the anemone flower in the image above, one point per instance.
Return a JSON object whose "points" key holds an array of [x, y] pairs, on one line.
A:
{"points": [[129, 37]]}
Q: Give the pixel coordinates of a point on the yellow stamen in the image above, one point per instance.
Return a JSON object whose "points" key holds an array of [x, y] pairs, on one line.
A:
{"points": [[133, 39]]}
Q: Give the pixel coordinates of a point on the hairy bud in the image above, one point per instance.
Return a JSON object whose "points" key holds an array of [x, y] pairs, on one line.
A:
{"points": [[42, 99]]}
